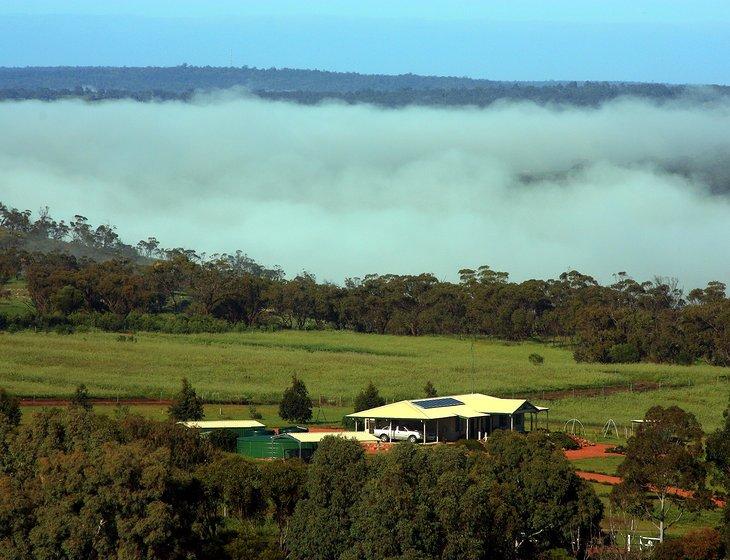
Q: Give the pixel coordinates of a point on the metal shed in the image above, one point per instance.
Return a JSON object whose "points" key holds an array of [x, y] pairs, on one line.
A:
{"points": [[242, 428]]}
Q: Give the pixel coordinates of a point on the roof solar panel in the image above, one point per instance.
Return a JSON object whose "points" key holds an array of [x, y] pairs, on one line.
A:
{"points": [[438, 402]]}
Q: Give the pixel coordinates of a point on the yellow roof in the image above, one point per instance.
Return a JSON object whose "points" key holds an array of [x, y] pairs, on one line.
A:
{"points": [[406, 410], [493, 405], [221, 424], [316, 437], [400, 409], [474, 405]]}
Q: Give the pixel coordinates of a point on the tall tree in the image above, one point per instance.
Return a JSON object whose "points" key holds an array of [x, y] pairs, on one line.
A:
{"points": [[9, 408], [186, 405], [81, 399], [665, 455], [369, 397], [321, 526], [540, 501], [296, 404], [429, 390], [237, 481], [283, 484], [718, 454]]}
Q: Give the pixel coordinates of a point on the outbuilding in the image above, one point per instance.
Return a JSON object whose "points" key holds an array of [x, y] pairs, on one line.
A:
{"points": [[242, 428], [292, 444]]}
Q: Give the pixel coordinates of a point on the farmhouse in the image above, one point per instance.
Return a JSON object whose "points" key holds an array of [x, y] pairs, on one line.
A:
{"points": [[471, 416]]}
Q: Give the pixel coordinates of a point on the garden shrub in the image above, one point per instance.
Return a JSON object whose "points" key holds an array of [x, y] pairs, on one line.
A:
{"points": [[563, 440], [536, 359], [624, 353], [223, 439]]}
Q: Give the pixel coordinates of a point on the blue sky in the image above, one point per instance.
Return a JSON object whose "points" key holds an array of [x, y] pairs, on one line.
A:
{"points": [[649, 40]]}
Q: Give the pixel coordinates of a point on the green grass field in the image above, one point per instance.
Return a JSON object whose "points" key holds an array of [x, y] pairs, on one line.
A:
{"points": [[335, 365], [603, 465], [17, 301], [326, 416]]}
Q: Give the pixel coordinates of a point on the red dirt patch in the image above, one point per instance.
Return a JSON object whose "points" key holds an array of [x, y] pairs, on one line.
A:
{"points": [[64, 402], [377, 447], [326, 429], [598, 477], [595, 450], [613, 480]]}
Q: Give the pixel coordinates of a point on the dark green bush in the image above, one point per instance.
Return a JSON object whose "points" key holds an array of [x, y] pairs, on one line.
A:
{"points": [[624, 353], [254, 413], [563, 440], [368, 398], [223, 439], [536, 359], [63, 329], [471, 445], [68, 299], [296, 404]]}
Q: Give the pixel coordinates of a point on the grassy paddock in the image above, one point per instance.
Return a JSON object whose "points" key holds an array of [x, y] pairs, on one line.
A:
{"points": [[603, 465], [17, 302], [336, 365], [326, 416], [705, 399]]}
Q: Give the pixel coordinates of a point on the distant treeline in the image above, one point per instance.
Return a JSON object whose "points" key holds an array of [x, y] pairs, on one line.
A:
{"points": [[314, 86], [91, 279]]}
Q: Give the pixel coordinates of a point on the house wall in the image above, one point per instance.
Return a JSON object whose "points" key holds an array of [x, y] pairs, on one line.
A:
{"points": [[502, 422], [454, 428], [449, 429]]}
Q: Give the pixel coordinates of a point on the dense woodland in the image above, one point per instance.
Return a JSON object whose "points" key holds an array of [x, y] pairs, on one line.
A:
{"points": [[80, 276], [76, 485], [313, 86]]}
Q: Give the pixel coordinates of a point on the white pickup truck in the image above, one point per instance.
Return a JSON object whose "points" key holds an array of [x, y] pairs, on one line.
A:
{"points": [[398, 433]]}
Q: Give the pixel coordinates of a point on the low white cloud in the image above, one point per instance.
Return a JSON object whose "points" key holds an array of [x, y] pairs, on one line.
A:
{"points": [[348, 190]]}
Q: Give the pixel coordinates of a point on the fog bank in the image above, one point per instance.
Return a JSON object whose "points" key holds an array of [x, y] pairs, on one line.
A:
{"points": [[348, 190]]}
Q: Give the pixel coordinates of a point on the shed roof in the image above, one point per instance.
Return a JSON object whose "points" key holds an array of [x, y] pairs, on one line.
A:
{"points": [[316, 437], [221, 424], [471, 405]]}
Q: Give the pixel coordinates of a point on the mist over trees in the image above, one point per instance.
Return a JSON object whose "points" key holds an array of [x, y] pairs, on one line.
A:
{"points": [[177, 290], [313, 86]]}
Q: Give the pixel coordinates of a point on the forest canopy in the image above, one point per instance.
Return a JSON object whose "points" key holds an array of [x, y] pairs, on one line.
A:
{"points": [[314, 86], [79, 275]]}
